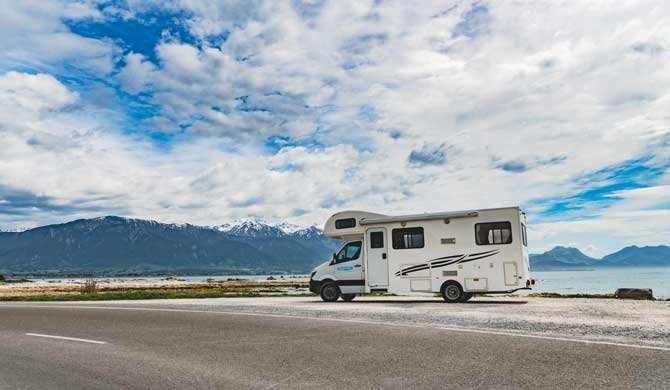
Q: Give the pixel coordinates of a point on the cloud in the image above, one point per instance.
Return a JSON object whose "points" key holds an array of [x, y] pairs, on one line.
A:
{"points": [[297, 109], [520, 166], [429, 155], [136, 75], [35, 37], [515, 166], [33, 94]]}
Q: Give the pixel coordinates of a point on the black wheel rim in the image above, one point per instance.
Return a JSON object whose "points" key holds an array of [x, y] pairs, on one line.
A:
{"points": [[452, 292], [329, 292]]}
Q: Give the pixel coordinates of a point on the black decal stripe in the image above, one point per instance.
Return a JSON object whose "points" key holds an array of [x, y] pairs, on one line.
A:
{"points": [[405, 272], [414, 270], [432, 265], [478, 258], [444, 265], [413, 267], [483, 253], [446, 262], [444, 258], [350, 282]]}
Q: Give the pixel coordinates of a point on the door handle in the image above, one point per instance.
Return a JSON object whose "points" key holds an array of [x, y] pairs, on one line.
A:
{"points": [[357, 266], [384, 256]]}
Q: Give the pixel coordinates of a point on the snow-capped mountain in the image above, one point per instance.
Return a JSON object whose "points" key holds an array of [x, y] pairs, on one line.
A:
{"points": [[251, 228], [308, 233], [116, 245], [261, 228]]}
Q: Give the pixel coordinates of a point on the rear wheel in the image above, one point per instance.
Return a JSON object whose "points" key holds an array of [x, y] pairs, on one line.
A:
{"points": [[330, 292], [452, 292], [348, 297]]}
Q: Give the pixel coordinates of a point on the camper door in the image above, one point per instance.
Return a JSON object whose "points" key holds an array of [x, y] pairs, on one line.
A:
{"points": [[377, 258]]}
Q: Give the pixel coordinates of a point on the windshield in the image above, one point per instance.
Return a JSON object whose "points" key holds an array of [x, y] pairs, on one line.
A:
{"points": [[351, 251]]}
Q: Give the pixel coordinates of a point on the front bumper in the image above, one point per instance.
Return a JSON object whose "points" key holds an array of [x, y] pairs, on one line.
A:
{"points": [[314, 286]]}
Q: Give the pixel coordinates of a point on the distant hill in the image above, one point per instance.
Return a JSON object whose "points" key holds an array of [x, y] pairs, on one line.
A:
{"points": [[561, 258], [565, 258], [122, 246], [634, 256]]}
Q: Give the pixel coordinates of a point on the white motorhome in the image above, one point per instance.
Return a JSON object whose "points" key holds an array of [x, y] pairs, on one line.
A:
{"points": [[456, 254]]}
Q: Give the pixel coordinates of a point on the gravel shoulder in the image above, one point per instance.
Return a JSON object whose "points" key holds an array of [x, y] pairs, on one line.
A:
{"points": [[610, 320]]}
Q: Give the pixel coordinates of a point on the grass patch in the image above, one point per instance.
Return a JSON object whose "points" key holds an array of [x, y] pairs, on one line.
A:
{"points": [[137, 294]]}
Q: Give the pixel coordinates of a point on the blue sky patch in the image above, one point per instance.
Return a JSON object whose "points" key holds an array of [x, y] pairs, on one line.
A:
{"points": [[140, 34], [475, 22], [602, 186]]}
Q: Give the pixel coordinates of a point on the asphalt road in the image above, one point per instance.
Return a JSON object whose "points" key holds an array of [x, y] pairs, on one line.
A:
{"points": [[180, 347]]}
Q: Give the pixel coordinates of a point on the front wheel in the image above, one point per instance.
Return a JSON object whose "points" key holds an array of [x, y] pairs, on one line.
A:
{"points": [[348, 297], [452, 292], [330, 292]]}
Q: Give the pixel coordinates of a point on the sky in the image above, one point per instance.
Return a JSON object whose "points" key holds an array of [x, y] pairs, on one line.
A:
{"points": [[205, 112]]}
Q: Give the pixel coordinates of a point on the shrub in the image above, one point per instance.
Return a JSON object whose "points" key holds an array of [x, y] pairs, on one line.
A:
{"points": [[2, 279], [90, 286]]}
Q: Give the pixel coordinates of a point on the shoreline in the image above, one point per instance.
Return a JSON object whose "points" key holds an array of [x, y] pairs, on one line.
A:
{"points": [[176, 288]]}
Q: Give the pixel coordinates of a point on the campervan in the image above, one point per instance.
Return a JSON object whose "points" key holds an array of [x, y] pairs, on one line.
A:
{"points": [[456, 254]]}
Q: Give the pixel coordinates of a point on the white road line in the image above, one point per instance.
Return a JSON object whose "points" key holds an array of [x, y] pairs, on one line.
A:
{"points": [[48, 336], [329, 319]]}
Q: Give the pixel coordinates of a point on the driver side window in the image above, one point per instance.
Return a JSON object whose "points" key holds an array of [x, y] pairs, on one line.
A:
{"points": [[349, 252]]}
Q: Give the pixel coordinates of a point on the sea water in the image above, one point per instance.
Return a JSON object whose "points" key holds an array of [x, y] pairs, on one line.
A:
{"points": [[603, 281], [600, 281]]}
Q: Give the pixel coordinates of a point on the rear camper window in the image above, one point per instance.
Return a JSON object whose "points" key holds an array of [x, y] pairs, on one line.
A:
{"points": [[493, 233], [345, 223], [407, 238]]}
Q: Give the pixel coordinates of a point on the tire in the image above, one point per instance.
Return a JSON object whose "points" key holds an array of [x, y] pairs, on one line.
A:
{"points": [[348, 297], [467, 296], [452, 292], [330, 292]]}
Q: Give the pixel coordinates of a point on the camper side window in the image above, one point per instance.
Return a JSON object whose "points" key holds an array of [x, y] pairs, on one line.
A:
{"points": [[376, 240], [524, 234], [349, 252], [407, 238], [493, 233], [345, 223]]}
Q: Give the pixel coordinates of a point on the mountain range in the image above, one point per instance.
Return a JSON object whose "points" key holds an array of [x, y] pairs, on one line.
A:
{"points": [[124, 246], [565, 258]]}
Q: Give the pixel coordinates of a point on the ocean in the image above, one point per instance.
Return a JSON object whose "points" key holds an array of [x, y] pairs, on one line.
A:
{"points": [[600, 281], [603, 281]]}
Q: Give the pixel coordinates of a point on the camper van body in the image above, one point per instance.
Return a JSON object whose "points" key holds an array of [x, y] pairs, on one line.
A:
{"points": [[454, 253]]}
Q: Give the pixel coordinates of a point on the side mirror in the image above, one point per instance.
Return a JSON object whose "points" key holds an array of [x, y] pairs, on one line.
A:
{"points": [[334, 255]]}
